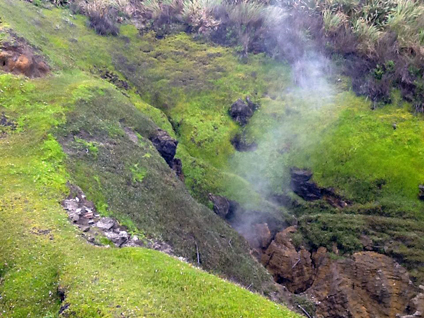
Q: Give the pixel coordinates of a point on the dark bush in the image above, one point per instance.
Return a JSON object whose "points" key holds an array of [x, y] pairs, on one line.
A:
{"points": [[103, 25]]}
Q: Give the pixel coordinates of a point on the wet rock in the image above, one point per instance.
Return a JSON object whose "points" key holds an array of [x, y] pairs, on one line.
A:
{"points": [[289, 267], [105, 224], [364, 286], [165, 145], [302, 186], [263, 235], [241, 111]]}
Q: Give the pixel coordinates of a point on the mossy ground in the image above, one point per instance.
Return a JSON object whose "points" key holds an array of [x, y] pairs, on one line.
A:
{"points": [[192, 84], [41, 250]]}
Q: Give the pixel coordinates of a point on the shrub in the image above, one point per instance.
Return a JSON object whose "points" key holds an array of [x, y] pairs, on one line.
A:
{"points": [[103, 24]]}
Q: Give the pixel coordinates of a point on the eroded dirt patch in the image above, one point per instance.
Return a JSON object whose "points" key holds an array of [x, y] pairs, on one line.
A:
{"points": [[18, 57]]}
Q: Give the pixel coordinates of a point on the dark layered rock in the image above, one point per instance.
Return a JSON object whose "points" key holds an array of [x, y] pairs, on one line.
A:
{"points": [[221, 205], [241, 111], [114, 79], [177, 166], [302, 185], [308, 190], [165, 145]]}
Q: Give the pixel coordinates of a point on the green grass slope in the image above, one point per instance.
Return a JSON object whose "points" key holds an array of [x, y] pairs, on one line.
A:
{"points": [[129, 181], [40, 250]]}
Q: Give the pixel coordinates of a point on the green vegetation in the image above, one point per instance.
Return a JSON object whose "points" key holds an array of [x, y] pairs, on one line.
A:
{"points": [[372, 157], [41, 250]]}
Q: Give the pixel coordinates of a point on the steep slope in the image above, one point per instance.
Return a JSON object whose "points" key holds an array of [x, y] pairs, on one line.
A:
{"points": [[158, 206], [41, 253]]}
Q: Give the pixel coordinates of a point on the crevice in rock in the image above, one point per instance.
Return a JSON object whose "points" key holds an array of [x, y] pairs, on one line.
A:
{"points": [[167, 148]]}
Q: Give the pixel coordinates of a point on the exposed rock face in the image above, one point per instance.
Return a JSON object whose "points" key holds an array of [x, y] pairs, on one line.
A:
{"points": [[291, 268], [242, 111], [18, 57], [221, 205], [302, 186], [167, 147], [364, 286], [177, 166]]}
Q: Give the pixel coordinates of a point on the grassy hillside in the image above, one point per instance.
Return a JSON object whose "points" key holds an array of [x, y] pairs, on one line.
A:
{"points": [[41, 251], [372, 157]]}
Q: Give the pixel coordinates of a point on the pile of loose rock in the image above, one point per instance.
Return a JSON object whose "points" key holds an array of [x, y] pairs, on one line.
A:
{"points": [[83, 214]]}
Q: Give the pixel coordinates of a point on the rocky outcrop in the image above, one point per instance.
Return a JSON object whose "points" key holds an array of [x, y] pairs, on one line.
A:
{"points": [[222, 206], [366, 285], [302, 185], [289, 267], [308, 190], [83, 214], [17, 57], [167, 147], [242, 111]]}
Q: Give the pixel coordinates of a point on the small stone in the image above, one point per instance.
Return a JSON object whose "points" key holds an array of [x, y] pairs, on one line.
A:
{"points": [[124, 234], [85, 228], [112, 236], [105, 224], [91, 222], [74, 218], [89, 215], [70, 205]]}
